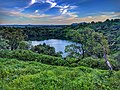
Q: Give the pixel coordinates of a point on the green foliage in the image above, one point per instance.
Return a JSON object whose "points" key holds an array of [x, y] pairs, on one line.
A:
{"points": [[116, 56], [109, 28], [28, 55], [45, 49], [13, 35], [4, 44], [43, 33], [24, 45], [98, 63], [31, 75], [73, 50], [92, 43], [89, 45]]}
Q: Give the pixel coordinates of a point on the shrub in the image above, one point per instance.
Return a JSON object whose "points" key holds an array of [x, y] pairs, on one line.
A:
{"points": [[31, 75], [28, 55], [98, 63]]}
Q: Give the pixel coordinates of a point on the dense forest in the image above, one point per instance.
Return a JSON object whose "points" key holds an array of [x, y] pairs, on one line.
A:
{"points": [[93, 65]]}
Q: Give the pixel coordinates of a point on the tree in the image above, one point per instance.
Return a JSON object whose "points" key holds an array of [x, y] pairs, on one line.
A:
{"points": [[14, 36], [3, 44], [100, 38], [45, 49], [73, 50], [92, 43], [84, 37], [24, 45]]}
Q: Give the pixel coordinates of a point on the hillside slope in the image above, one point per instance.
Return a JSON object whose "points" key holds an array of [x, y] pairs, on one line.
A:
{"points": [[31, 75]]}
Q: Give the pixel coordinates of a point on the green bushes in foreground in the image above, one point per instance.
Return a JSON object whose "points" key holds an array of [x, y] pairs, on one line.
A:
{"points": [[27, 55], [31, 75]]}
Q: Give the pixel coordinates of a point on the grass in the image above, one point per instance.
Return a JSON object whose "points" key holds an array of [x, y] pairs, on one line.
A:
{"points": [[31, 75]]}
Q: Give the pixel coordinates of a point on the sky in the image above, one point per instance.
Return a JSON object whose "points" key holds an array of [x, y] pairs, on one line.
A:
{"points": [[49, 12]]}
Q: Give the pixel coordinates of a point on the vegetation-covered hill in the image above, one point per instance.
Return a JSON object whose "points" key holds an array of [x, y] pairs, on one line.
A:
{"points": [[31, 75]]}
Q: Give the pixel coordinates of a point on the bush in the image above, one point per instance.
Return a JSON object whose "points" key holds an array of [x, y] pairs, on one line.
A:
{"points": [[116, 56], [28, 55], [98, 63], [31, 75], [45, 49]]}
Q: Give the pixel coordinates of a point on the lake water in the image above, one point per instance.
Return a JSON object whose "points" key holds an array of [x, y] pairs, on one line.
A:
{"points": [[59, 45]]}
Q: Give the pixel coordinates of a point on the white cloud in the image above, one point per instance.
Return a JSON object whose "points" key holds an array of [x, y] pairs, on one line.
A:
{"points": [[64, 9], [29, 4], [36, 11], [107, 13], [89, 16], [32, 2], [72, 14], [65, 17], [52, 3]]}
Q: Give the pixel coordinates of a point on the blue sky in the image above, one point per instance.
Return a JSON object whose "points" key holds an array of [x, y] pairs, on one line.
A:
{"points": [[57, 11]]}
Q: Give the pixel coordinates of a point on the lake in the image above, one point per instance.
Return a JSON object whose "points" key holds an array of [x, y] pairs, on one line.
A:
{"points": [[59, 45]]}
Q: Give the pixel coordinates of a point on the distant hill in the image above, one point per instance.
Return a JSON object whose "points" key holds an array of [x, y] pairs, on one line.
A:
{"points": [[42, 26]]}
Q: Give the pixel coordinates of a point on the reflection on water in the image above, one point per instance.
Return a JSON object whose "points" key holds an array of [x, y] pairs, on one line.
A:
{"points": [[59, 45]]}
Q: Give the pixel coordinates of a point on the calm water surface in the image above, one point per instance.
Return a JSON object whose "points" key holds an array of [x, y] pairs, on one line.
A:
{"points": [[59, 45]]}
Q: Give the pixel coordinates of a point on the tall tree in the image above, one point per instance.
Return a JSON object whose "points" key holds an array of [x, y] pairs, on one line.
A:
{"points": [[84, 37], [73, 50], [100, 38], [14, 35], [92, 43]]}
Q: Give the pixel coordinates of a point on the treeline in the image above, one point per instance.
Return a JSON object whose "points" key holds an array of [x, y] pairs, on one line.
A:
{"points": [[39, 33]]}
